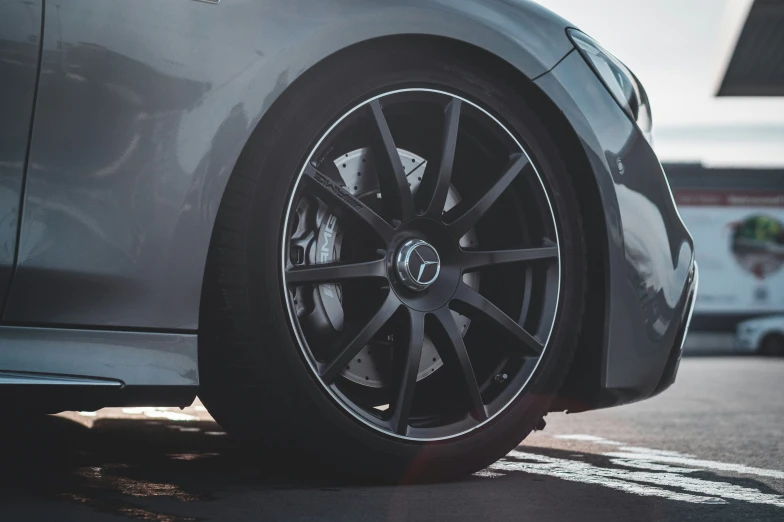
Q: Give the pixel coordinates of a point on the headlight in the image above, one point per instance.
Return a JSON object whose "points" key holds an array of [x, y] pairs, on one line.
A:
{"points": [[619, 80]]}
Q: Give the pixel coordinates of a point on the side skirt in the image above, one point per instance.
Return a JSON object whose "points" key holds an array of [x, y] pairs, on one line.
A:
{"points": [[55, 369]]}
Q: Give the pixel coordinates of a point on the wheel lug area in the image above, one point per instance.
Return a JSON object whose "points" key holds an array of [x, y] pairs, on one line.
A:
{"points": [[417, 264], [424, 264]]}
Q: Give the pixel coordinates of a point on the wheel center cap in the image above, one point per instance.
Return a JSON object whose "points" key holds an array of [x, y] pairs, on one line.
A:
{"points": [[417, 264]]}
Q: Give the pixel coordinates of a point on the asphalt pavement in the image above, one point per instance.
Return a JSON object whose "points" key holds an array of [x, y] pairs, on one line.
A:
{"points": [[710, 448]]}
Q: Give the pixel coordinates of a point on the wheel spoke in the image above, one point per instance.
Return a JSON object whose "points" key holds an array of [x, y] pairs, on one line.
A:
{"points": [[456, 353], [337, 272], [350, 346], [474, 260], [435, 183], [407, 371], [350, 207], [461, 224], [395, 192], [472, 299]]}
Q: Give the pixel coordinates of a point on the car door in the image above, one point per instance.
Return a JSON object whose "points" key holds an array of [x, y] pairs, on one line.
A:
{"points": [[20, 45]]}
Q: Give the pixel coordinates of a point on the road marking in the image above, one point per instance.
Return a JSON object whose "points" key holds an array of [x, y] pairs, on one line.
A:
{"points": [[586, 473], [687, 460], [645, 472], [672, 457], [589, 438]]}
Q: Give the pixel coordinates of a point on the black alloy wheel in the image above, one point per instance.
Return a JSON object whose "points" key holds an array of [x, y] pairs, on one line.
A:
{"points": [[399, 257]]}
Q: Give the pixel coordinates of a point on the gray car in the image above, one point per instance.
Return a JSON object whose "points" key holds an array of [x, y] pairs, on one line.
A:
{"points": [[394, 233]]}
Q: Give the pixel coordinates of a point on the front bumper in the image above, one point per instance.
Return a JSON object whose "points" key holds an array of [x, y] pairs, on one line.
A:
{"points": [[671, 369], [649, 276]]}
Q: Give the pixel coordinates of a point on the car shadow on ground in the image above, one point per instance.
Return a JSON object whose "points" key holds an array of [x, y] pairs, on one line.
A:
{"points": [[116, 462], [167, 471]]}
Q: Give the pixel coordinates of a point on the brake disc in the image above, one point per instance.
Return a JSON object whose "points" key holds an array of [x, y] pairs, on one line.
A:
{"points": [[320, 236]]}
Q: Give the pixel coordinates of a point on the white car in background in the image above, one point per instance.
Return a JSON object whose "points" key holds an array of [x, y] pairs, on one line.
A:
{"points": [[764, 335]]}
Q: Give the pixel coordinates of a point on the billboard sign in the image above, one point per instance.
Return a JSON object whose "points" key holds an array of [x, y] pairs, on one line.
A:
{"points": [[739, 244]]}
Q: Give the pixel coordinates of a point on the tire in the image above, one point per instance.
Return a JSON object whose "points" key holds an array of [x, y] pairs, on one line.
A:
{"points": [[255, 380], [772, 345]]}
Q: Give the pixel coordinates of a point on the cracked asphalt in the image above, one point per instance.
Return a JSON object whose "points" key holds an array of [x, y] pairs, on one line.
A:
{"points": [[710, 448]]}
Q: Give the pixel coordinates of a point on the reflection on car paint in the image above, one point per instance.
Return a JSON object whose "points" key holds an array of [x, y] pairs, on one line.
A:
{"points": [[659, 284]]}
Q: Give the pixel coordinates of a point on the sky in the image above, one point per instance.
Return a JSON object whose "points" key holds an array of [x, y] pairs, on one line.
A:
{"points": [[679, 49]]}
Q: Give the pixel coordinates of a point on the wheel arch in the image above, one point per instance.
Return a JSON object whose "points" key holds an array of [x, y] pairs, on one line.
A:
{"points": [[585, 372]]}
